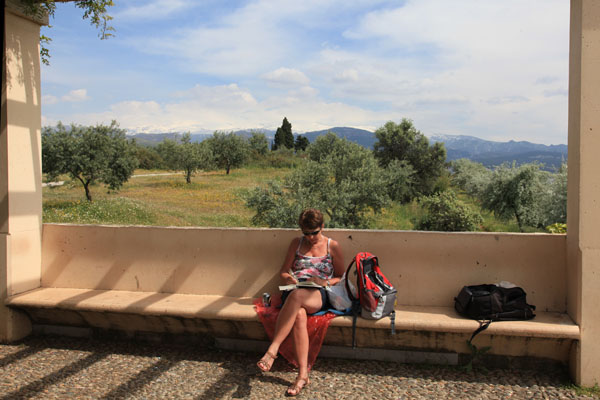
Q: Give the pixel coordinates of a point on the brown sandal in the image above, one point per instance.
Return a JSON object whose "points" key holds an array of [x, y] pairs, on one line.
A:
{"points": [[266, 362], [299, 384]]}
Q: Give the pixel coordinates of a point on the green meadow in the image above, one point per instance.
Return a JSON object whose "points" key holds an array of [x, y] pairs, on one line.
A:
{"points": [[163, 198]]}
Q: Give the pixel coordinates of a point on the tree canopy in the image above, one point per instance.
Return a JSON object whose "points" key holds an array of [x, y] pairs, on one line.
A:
{"points": [[518, 192], [259, 145], [301, 143], [405, 143], [341, 178], [229, 150], [186, 155], [89, 154]]}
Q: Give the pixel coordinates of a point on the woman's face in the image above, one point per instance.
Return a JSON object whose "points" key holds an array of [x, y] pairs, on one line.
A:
{"points": [[313, 235]]}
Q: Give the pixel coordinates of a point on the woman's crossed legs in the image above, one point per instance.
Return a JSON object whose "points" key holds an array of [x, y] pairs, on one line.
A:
{"points": [[293, 316]]}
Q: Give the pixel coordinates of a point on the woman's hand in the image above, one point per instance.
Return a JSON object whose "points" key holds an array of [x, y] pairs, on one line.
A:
{"points": [[318, 281], [288, 279]]}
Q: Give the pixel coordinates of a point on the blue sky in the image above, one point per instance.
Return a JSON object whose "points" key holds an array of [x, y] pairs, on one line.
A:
{"points": [[495, 69]]}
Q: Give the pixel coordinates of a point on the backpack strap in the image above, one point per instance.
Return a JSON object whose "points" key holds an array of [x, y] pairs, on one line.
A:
{"points": [[483, 325], [350, 295], [355, 311], [355, 302]]}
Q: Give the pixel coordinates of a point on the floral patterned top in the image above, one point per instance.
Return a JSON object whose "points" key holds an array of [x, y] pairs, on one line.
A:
{"points": [[307, 266]]}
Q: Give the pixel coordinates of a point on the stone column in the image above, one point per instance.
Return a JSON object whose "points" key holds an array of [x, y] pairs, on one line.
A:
{"points": [[583, 237], [20, 167]]}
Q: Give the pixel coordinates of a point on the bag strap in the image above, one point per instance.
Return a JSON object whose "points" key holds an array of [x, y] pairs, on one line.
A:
{"points": [[483, 325], [348, 277], [355, 311], [355, 303]]}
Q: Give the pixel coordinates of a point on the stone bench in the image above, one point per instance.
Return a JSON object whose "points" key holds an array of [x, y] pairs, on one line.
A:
{"points": [[202, 281]]}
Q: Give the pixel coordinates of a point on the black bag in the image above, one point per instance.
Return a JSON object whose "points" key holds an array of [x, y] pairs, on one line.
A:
{"points": [[487, 303]]}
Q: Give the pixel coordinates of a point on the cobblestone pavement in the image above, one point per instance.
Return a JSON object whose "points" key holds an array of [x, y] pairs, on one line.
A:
{"points": [[60, 368]]}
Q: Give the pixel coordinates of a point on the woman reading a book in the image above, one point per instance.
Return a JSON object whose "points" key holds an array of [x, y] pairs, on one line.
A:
{"points": [[312, 263]]}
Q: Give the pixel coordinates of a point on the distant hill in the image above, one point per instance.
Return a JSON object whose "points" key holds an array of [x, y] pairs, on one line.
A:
{"points": [[487, 152], [363, 137], [491, 153], [153, 139]]}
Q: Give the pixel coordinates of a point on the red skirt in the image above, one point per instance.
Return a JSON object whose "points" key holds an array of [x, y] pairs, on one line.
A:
{"points": [[316, 325]]}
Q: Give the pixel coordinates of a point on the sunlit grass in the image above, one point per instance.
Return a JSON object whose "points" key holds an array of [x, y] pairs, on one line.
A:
{"points": [[117, 211], [212, 199]]}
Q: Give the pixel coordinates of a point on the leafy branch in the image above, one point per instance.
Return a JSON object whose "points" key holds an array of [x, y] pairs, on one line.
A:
{"points": [[94, 10]]}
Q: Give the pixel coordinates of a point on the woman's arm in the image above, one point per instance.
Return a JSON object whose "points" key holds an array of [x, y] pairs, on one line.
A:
{"points": [[284, 274]]}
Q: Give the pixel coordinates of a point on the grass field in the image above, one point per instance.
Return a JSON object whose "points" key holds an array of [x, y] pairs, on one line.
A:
{"points": [[213, 199]]}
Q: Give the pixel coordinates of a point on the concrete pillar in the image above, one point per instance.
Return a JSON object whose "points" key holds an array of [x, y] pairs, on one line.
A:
{"points": [[20, 167], [583, 237]]}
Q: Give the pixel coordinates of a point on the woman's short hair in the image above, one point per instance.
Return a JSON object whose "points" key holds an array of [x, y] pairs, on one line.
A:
{"points": [[310, 218]]}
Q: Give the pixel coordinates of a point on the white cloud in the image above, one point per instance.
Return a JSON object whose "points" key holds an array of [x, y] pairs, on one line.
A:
{"points": [[286, 77], [228, 107], [347, 75], [75, 95], [476, 67]]}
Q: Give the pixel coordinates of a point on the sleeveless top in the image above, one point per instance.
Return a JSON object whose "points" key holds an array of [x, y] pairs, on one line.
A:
{"points": [[305, 266]]}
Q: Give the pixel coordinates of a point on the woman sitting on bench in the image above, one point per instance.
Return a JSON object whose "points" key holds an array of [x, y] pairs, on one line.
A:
{"points": [[312, 257]]}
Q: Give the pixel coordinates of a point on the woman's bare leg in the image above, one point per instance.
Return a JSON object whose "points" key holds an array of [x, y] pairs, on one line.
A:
{"points": [[300, 332], [308, 299]]}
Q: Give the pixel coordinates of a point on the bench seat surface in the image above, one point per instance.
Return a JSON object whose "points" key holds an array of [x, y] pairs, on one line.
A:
{"points": [[411, 318]]}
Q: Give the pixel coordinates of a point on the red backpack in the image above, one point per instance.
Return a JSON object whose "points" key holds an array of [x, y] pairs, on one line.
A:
{"points": [[376, 294]]}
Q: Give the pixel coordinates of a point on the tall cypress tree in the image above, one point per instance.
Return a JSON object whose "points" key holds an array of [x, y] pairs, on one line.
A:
{"points": [[278, 140], [288, 136], [283, 136]]}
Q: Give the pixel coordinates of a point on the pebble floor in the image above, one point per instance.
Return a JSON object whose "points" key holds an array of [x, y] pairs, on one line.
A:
{"points": [[65, 368]]}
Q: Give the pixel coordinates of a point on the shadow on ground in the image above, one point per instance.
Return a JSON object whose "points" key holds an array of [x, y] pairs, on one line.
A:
{"points": [[213, 374]]}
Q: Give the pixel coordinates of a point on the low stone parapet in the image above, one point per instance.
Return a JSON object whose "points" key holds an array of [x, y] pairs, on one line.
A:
{"points": [[202, 281]]}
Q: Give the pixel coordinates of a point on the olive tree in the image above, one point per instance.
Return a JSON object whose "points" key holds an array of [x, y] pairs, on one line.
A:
{"points": [[399, 178], [183, 154], [517, 192], [229, 150], [340, 178], [89, 154], [405, 143], [258, 143], [470, 176], [555, 204]]}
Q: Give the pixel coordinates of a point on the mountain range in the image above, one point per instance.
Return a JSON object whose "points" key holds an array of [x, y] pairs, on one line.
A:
{"points": [[487, 152]]}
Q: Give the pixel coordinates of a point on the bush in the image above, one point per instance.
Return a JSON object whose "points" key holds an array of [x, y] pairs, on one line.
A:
{"points": [[557, 228], [341, 178], [470, 176], [445, 212]]}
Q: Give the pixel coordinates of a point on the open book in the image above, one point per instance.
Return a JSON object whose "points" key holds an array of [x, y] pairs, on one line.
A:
{"points": [[303, 284]]}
